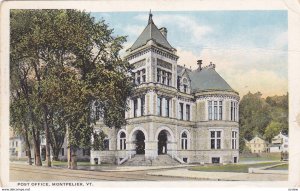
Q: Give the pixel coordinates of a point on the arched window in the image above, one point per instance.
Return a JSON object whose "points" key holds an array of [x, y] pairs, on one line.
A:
{"points": [[122, 141], [184, 141]]}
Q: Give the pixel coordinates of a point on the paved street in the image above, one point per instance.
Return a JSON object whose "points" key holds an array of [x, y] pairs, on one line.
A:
{"points": [[23, 172]]}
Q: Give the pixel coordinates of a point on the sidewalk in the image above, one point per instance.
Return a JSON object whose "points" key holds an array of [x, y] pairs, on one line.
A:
{"points": [[220, 176]]}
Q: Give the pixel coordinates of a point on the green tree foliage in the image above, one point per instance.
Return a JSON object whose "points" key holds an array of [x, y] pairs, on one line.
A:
{"points": [[68, 61], [262, 116]]}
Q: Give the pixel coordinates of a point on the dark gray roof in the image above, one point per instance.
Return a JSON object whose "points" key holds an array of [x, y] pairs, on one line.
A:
{"points": [[151, 32], [208, 79]]}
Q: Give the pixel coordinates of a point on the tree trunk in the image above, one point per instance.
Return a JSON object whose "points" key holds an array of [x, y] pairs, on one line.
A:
{"points": [[38, 161], [73, 158], [46, 129], [55, 153], [28, 146]]}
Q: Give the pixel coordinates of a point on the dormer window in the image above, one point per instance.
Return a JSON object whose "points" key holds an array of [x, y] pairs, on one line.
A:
{"points": [[185, 86]]}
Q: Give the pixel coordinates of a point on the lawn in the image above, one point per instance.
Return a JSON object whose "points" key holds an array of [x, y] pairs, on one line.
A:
{"points": [[231, 167], [63, 163], [280, 167], [263, 157]]}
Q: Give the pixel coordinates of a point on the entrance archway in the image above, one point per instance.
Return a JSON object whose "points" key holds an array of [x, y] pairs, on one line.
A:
{"points": [[140, 143], [162, 142]]}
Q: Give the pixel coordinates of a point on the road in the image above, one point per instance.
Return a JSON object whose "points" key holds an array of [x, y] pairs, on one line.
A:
{"points": [[23, 172]]}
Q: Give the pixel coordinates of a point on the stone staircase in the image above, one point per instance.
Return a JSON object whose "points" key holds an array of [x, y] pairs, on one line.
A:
{"points": [[161, 160]]}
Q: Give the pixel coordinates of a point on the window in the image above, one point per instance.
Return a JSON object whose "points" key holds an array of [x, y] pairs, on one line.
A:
{"points": [[185, 159], [16, 143], [188, 117], [234, 159], [106, 144], [181, 111], [142, 105], [184, 141], [97, 108], [215, 160], [215, 139], [158, 75], [234, 140], [168, 78], [220, 110], [163, 77], [215, 110], [167, 108], [143, 75], [62, 152], [85, 152], [234, 111], [135, 107], [159, 100], [209, 110], [185, 88], [178, 82], [122, 141]]}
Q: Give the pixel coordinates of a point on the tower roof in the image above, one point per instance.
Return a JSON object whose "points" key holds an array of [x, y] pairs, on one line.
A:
{"points": [[151, 32], [208, 79]]}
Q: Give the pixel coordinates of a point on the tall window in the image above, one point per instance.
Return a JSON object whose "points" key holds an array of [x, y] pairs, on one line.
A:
{"points": [[168, 78], [215, 110], [220, 110], [234, 140], [184, 141], [159, 100], [122, 141], [178, 82], [97, 110], [185, 88], [158, 75], [163, 77], [106, 144], [215, 139], [135, 107], [143, 75], [167, 107], [234, 112], [142, 105], [188, 116], [181, 111], [62, 152], [209, 110]]}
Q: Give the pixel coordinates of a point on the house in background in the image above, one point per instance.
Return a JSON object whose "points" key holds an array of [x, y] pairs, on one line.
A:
{"points": [[280, 143], [257, 145]]}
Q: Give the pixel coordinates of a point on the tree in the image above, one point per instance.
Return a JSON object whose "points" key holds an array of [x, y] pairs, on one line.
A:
{"points": [[74, 62], [272, 130]]}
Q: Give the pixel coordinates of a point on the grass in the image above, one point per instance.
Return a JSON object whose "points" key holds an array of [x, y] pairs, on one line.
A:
{"points": [[269, 157], [231, 167], [280, 167], [64, 163]]}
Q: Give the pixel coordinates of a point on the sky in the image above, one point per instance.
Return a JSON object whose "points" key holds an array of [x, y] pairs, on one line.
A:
{"points": [[249, 48]]}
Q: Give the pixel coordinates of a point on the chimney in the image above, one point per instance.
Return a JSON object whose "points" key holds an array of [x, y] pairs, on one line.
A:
{"points": [[164, 31], [199, 62]]}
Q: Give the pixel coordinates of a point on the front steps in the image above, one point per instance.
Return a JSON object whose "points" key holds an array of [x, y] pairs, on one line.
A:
{"points": [[161, 160]]}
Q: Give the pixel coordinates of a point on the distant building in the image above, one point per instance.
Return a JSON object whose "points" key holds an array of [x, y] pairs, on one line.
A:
{"points": [[280, 143], [257, 145]]}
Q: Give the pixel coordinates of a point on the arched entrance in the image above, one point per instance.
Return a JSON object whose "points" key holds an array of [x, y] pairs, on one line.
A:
{"points": [[140, 143], [162, 142]]}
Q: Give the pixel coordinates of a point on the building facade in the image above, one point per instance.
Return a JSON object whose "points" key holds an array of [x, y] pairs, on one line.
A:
{"points": [[190, 115], [280, 143], [257, 145]]}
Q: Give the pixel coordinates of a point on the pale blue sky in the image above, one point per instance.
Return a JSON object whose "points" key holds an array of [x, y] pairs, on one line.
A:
{"points": [[248, 47]]}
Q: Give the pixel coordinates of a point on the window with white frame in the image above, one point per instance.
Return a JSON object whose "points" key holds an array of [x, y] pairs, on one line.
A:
{"points": [[188, 112], [181, 111], [135, 107], [143, 105], [234, 111], [163, 77], [233, 140], [215, 139], [159, 106], [167, 107], [140, 76], [184, 141], [122, 141], [215, 110]]}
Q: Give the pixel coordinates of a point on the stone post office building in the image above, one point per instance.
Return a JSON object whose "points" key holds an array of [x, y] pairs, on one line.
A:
{"points": [[190, 116]]}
